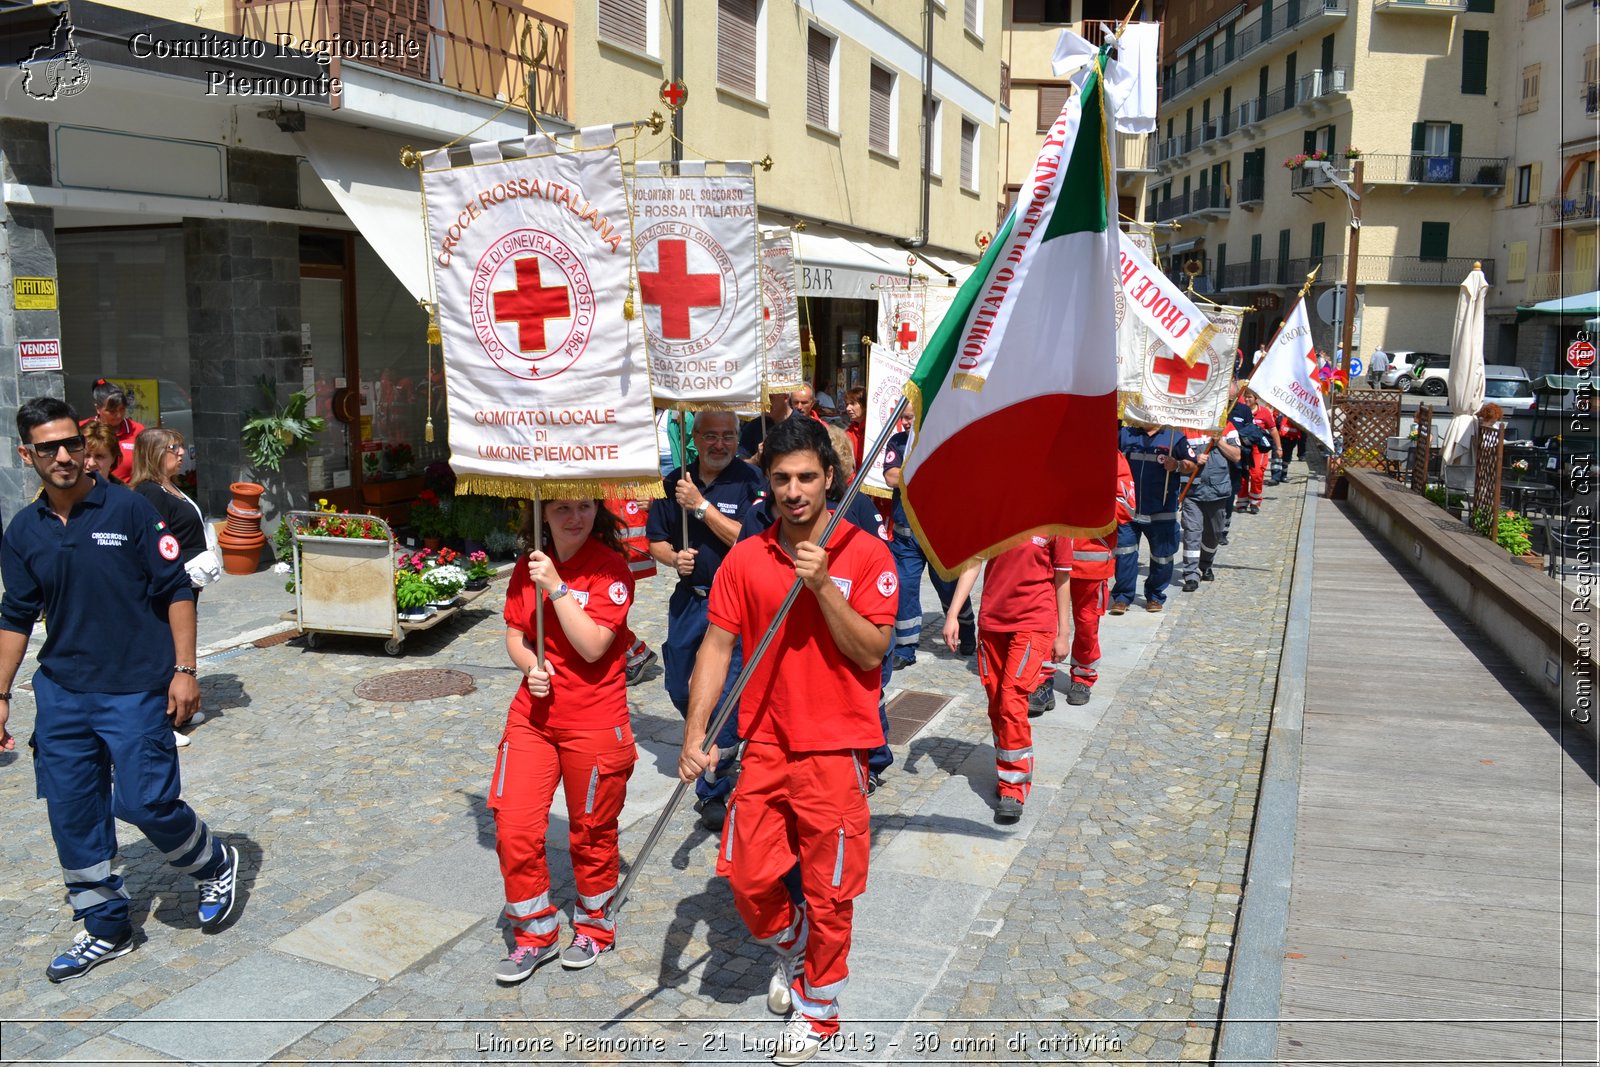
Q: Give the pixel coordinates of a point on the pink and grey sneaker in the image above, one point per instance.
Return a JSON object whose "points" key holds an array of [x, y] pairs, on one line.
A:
{"points": [[582, 953]]}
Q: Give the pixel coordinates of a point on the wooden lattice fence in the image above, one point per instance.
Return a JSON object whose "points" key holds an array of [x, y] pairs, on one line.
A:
{"points": [[1487, 456], [1422, 449]]}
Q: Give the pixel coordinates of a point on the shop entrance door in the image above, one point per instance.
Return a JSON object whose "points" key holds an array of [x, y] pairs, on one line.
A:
{"points": [[331, 373]]}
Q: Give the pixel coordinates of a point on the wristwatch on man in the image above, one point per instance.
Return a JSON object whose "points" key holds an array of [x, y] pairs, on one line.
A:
{"points": [[700, 511]]}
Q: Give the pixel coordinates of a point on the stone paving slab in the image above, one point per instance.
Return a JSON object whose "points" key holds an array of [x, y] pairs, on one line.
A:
{"points": [[292, 993], [377, 934], [110, 1050]]}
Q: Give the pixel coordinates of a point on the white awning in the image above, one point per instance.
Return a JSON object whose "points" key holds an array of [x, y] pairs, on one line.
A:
{"points": [[362, 170], [831, 264], [1181, 246], [959, 269]]}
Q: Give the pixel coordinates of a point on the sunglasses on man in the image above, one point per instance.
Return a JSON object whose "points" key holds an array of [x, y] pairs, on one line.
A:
{"points": [[48, 449]]}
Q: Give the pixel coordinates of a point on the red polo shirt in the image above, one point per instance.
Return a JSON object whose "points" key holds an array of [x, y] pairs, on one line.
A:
{"points": [[805, 695], [1019, 593], [583, 695]]}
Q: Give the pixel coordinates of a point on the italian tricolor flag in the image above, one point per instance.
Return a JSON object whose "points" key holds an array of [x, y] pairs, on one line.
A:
{"points": [[1015, 398]]}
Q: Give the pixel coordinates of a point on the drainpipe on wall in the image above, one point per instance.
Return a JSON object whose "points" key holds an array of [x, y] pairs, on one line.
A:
{"points": [[921, 239], [677, 78]]}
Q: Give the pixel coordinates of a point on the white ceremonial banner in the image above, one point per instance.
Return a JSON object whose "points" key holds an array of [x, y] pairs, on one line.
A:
{"points": [[548, 390], [1159, 302], [780, 311], [907, 317], [696, 237], [1158, 388], [1284, 380]]}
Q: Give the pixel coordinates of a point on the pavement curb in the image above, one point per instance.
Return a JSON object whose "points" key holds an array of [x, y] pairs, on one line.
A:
{"points": [[1251, 1003]]}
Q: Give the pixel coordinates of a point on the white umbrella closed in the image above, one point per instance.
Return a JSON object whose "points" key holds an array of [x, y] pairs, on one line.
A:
{"points": [[1466, 369]]}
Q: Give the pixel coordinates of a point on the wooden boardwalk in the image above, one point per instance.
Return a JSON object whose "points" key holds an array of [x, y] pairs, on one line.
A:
{"points": [[1443, 903]]}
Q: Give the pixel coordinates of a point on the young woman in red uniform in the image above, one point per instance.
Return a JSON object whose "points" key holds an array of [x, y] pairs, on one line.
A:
{"points": [[567, 724], [1022, 624]]}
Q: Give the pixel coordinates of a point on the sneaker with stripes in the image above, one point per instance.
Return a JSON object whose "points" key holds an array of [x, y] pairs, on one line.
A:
{"points": [[218, 892], [799, 1041], [85, 954]]}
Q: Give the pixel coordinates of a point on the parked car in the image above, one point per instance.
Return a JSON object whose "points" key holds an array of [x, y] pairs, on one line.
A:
{"points": [[1435, 381], [1403, 366]]}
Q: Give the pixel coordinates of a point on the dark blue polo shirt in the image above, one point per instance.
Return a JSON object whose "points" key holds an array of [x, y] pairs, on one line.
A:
{"points": [[102, 583], [735, 489], [894, 457], [1155, 489]]}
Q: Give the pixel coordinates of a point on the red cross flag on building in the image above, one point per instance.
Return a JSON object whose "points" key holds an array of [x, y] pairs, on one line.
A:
{"points": [[908, 313], [530, 252], [699, 282]]}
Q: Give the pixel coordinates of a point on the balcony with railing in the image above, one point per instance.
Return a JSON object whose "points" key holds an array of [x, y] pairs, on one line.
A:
{"points": [[493, 49], [1421, 168], [1209, 201], [1566, 210], [1296, 18], [1423, 7], [1370, 270], [1172, 208], [1250, 190], [1554, 284]]}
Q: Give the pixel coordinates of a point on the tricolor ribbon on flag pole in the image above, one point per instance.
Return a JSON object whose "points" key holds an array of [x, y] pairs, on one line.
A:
{"points": [[529, 243]]}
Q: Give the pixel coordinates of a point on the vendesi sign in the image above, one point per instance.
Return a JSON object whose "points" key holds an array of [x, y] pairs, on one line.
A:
{"points": [[42, 354], [34, 294]]}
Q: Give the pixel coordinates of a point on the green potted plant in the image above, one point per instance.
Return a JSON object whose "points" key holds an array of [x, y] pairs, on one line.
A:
{"points": [[430, 517], [412, 594], [268, 434]]}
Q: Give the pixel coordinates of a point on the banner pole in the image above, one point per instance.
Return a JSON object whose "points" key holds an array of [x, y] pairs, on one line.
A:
{"points": [[731, 701], [538, 604], [683, 465]]}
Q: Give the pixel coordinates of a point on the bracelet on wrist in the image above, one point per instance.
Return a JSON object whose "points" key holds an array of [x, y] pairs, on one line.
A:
{"points": [[5, 695], [190, 671]]}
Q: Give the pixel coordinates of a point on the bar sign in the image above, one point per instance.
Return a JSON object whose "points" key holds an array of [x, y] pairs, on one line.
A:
{"points": [[34, 294], [42, 354]]}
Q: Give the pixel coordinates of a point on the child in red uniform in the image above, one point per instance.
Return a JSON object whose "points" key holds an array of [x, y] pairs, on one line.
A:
{"points": [[1022, 624], [809, 714], [567, 724], [1251, 485]]}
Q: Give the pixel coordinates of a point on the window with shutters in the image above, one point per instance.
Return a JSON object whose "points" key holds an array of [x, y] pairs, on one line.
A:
{"points": [[1435, 241], [972, 17], [630, 23], [1041, 11], [1475, 62], [1319, 237], [1052, 98], [1480, 7], [936, 120], [741, 52], [882, 107], [1531, 76], [969, 155], [1516, 261], [1524, 186], [821, 79]]}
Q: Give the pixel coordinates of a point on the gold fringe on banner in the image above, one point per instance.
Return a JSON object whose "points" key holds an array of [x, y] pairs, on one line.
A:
{"points": [[556, 489], [1201, 344], [735, 406], [881, 494], [972, 383]]}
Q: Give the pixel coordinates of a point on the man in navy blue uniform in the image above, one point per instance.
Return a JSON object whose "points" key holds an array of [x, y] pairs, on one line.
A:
{"points": [[755, 431], [1159, 458], [715, 494], [910, 562], [84, 553]]}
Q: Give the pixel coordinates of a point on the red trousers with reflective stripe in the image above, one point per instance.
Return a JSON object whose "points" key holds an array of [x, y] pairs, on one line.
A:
{"points": [[1088, 604], [810, 807], [1250, 485], [1009, 665], [593, 767]]}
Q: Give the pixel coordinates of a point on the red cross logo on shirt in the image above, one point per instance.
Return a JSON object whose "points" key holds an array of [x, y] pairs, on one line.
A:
{"points": [[675, 291], [1179, 373], [530, 305], [905, 335]]}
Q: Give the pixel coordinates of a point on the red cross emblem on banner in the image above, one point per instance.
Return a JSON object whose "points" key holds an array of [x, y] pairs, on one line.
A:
{"points": [[905, 335], [530, 305], [1180, 374], [675, 291]]}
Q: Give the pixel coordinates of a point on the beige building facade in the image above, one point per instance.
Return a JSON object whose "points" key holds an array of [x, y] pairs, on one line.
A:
{"points": [[1412, 86], [1545, 224], [833, 91]]}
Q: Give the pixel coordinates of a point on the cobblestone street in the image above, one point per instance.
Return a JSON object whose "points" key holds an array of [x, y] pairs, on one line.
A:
{"points": [[1099, 928]]}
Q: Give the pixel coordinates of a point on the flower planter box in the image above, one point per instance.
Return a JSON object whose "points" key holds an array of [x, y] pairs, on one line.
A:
{"points": [[391, 492]]}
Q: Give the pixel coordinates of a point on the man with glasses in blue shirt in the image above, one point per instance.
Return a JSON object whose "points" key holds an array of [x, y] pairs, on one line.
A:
{"points": [[87, 551], [715, 492]]}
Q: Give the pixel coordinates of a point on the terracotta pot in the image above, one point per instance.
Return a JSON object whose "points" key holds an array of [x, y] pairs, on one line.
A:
{"points": [[241, 538], [432, 543]]}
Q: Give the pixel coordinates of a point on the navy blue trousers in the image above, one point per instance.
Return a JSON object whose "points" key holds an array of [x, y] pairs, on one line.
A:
{"points": [[686, 628]]}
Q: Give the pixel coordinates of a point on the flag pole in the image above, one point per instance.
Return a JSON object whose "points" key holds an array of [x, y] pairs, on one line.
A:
{"points": [[538, 603], [731, 700]]}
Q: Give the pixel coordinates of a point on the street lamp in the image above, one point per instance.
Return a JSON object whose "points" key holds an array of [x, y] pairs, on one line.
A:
{"points": [[1347, 339]]}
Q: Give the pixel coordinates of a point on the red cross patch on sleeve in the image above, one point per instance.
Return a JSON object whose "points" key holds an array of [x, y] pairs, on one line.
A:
{"points": [[168, 547]]}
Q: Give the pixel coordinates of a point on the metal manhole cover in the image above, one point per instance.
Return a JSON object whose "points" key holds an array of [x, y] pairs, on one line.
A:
{"points": [[415, 685], [910, 712]]}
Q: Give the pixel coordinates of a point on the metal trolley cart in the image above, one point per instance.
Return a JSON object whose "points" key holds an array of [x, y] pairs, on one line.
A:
{"points": [[345, 585]]}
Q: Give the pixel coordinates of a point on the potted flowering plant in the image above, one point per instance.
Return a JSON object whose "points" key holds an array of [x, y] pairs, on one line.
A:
{"points": [[430, 517], [1352, 152], [478, 571], [446, 580]]}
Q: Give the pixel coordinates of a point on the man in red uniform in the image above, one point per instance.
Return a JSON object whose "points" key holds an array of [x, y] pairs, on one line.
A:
{"points": [[1022, 624], [809, 714]]}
